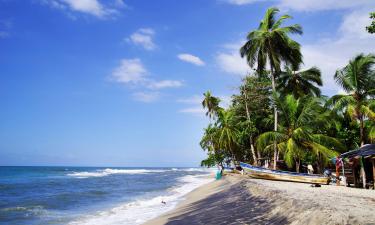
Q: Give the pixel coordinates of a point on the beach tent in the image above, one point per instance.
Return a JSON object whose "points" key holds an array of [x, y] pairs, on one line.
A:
{"points": [[363, 160]]}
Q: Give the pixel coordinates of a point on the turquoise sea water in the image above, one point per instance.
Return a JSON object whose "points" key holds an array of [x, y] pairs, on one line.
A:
{"points": [[92, 195]]}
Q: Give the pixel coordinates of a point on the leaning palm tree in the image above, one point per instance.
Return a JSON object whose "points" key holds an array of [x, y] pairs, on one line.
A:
{"points": [[211, 103], [271, 45], [358, 81], [299, 133], [300, 83]]}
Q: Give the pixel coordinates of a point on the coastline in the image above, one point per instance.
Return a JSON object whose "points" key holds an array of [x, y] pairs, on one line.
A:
{"points": [[238, 199]]}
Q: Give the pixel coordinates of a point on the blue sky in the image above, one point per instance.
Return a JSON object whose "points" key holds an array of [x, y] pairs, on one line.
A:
{"points": [[119, 83]]}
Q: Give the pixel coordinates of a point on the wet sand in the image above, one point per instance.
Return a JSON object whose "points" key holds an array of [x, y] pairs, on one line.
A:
{"points": [[238, 199]]}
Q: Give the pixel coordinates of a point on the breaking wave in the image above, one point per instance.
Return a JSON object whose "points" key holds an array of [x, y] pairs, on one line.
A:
{"points": [[106, 172]]}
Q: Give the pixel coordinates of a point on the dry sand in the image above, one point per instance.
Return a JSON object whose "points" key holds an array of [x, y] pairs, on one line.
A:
{"points": [[242, 200]]}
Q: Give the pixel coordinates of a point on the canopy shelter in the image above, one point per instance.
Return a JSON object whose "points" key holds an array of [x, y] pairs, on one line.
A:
{"points": [[364, 151], [362, 162]]}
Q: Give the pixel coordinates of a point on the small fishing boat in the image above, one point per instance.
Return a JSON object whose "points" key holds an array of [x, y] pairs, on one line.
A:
{"points": [[268, 174]]}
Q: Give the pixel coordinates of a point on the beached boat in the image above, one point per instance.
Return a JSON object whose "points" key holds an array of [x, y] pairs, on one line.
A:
{"points": [[264, 173]]}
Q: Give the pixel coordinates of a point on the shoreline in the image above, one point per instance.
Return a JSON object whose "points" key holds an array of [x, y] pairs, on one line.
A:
{"points": [[239, 199]]}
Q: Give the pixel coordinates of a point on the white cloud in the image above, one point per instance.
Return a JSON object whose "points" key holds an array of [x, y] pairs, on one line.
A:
{"points": [[225, 101], [146, 97], [143, 37], [332, 54], [91, 7], [132, 72], [87, 6], [310, 5], [129, 71], [241, 2], [230, 61], [164, 84], [314, 5], [191, 59]]}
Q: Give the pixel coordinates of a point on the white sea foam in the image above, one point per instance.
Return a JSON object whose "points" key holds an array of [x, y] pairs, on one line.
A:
{"points": [[142, 210], [106, 172]]}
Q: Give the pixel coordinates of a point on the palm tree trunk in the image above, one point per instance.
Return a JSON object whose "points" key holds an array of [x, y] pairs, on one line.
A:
{"points": [[275, 121], [251, 138], [253, 153], [297, 165], [361, 131]]}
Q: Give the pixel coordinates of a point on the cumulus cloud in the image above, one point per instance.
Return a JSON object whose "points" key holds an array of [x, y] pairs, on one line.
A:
{"points": [[230, 61], [91, 7], [335, 53], [191, 59], [241, 2], [129, 71], [144, 38], [310, 5], [133, 72]]}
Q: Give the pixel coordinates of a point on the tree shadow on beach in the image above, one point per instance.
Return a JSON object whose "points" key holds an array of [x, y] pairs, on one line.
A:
{"points": [[233, 206]]}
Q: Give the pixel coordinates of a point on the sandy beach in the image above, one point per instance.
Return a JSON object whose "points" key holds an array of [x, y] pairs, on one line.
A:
{"points": [[241, 200]]}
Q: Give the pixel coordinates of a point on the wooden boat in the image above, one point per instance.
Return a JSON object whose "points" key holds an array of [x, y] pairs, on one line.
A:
{"points": [[268, 174]]}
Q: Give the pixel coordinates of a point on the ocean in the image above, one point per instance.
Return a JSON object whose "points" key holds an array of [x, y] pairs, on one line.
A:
{"points": [[93, 195]]}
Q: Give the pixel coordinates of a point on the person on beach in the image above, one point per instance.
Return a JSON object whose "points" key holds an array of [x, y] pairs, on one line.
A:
{"points": [[219, 172]]}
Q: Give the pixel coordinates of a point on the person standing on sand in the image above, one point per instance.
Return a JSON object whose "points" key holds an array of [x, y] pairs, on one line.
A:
{"points": [[310, 169], [219, 172]]}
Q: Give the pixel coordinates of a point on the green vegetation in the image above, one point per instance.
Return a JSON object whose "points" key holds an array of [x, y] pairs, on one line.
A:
{"points": [[371, 27], [279, 112], [270, 44]]}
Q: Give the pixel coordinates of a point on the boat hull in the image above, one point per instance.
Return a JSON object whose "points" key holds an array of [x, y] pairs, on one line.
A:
{"points": [[263, 173]]}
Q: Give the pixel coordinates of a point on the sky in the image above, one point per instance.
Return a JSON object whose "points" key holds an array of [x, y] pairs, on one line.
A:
{"points": [[120, 82]]}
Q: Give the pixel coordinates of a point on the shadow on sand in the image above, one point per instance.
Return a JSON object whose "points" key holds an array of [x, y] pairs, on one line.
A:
{"points": [[234, 206]]}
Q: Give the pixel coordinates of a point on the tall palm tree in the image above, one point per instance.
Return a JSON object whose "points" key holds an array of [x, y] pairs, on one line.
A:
{"points": [[298, 134], [227, 132], [358, 81], [271, 45], [300, 83], [211, 103]]}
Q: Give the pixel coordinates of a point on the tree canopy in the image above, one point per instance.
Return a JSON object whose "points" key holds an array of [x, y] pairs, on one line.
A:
{"points": [[279, 115]]}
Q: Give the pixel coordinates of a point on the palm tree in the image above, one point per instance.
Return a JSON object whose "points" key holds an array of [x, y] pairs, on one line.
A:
{"points": [[210, 143], [211, 103], [270, 44], [300, 83], [298, 134], [227, 132], [358, 81]]}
